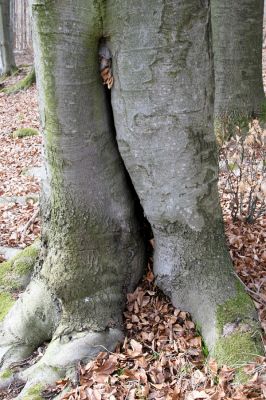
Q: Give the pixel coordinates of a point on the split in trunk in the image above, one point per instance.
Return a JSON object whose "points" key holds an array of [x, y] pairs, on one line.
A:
{"points": [[92, 250]]}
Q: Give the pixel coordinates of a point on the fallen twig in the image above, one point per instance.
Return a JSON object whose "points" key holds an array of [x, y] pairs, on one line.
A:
{"points": [[260, 300], [28, 224]]}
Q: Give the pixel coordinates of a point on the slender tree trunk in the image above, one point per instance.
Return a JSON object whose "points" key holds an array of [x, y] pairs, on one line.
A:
{"points": [[21, 25], [237, 28], [7, 60], [163, 107]]}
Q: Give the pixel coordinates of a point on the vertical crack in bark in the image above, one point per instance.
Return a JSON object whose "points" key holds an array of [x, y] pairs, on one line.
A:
{"points": [[146, 229]]}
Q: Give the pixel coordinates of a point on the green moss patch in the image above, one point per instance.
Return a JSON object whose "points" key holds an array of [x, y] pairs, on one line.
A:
{"points": [[237, 309], [6, 302], [239, 340], [13, 72], [7, 373], [23, 84], [23, 132], [34, 393], [21, 264], [237, 350]]}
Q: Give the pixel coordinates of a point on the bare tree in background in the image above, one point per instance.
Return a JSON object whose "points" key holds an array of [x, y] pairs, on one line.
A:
{"points": [[7, 60]]}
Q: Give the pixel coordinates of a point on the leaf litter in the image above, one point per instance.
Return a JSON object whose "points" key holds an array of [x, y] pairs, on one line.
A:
{"points": [[162, 356], [17, 156]]}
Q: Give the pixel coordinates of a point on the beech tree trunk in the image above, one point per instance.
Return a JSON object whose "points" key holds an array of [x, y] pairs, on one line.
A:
{"points": [[237, 28], [163, 109], [7, 60], [92, 251]]}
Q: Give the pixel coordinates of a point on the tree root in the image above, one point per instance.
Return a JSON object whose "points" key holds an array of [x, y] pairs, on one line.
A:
{"points": [[31, 321], [61, 358], [23, 84]]}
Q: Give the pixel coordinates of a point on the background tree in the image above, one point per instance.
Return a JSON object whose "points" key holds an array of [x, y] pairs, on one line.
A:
{"points": [[237, 28], [7, 60], [20, 14], [92, 250]]}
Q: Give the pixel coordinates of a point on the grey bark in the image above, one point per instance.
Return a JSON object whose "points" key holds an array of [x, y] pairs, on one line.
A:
{"points": [[93, 253], [7, 61], [163, 104], [237, 28]]}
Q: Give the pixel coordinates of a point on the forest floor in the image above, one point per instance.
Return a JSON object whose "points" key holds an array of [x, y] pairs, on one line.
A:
{"points": [[162, 356]]}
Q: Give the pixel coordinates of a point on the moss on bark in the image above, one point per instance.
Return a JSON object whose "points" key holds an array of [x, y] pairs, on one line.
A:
{"points": [[6, 302], [240, 308], [239, 339], [34, 393], [7, 373], [237, 350], [6, 378], [19, 266]]}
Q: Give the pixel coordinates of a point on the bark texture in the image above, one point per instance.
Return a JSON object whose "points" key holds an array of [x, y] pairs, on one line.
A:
{"points": [[163, 106], [237, 28], [92, 252], [92, 233], [7, 61]]}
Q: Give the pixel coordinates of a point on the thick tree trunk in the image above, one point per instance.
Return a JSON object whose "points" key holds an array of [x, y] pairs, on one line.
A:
{"points": [[93, 253], [92, 249], [163, 106], [7, 61], [237, 41]]}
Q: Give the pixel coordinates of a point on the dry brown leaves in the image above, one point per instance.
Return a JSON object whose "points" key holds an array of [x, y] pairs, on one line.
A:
{"points": [[13, 220], [246, 243], [19, 110], [247, 246], [16, 157], [161, 358]]}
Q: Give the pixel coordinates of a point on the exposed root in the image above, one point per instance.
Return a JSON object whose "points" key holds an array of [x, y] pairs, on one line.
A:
{"points": [[30, 322], [23, 84], [62, 357]]}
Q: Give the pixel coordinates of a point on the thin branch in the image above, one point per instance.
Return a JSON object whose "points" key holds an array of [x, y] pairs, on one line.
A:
{"points": [[28, 224], [261, 301]]}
